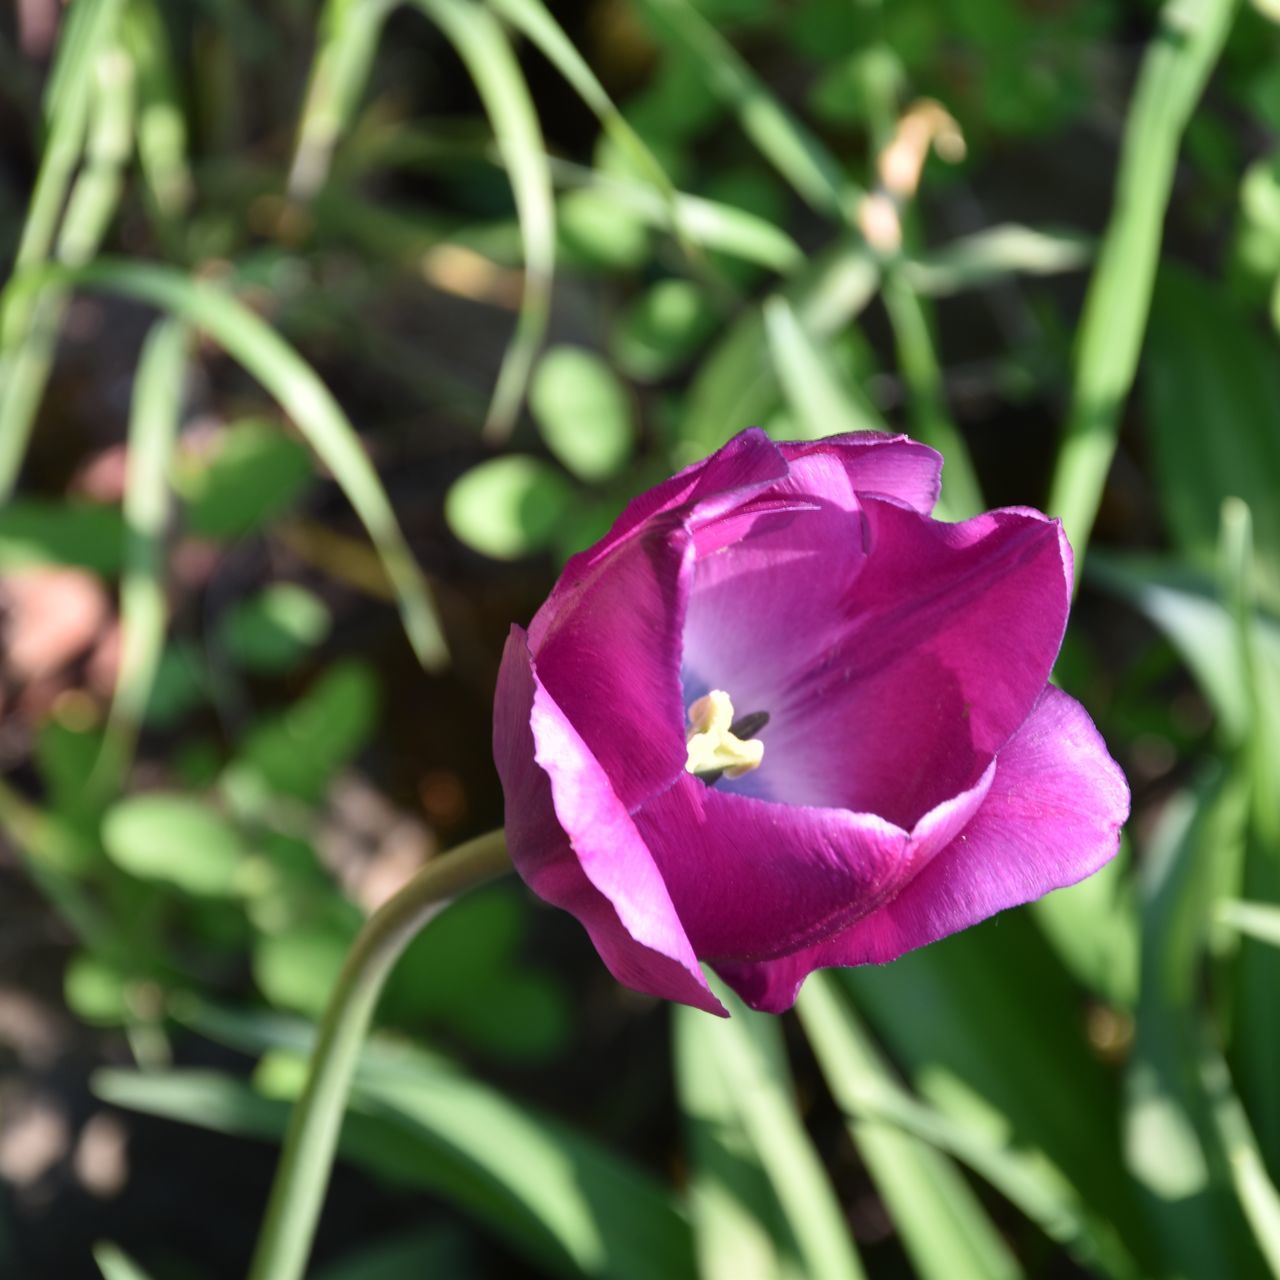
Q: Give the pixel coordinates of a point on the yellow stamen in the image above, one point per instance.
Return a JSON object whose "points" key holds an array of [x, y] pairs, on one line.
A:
{"points": [[712, 747]]}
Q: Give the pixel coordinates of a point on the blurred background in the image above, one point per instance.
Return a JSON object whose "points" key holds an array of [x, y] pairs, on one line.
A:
{"points": [[331, 330]]}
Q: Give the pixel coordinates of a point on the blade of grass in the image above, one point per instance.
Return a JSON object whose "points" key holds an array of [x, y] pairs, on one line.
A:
{"points": [[1254, 1189], [1259, 920], [115, 1264], [153, 428], [735, 385], [749, 1051], [348, 35], [1175, 69], [538, 24], [944, 1228], [737, 1230], [987, 256], [483, 47], [162, 125], [930, 417], [798, 156], [1257, 1035], [300, 392], [29, 318], [822, 403]]}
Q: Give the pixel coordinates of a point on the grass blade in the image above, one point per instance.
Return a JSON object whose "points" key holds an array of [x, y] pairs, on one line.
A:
{"points": [[153, 428], [483, 47], [349, 31], [944, 1228], [823, 405], [1258, 920], [1174, 71], [30, 317], [797, 155], [984, 258], [115, 1264], [749, 1051], [301, 393], [737, 1231]]}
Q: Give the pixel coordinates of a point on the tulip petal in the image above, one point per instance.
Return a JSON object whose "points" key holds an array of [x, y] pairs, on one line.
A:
{"points": [[608, 652], [751, 879], [575, 845], [1052, 817], [891, 674], [874, 463]]}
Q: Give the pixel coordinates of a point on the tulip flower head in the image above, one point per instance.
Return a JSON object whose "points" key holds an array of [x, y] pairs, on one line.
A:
{"points": [[780, 718]]}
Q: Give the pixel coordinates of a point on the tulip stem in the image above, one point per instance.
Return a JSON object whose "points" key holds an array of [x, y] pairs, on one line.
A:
{"points": [[312, 1136]]}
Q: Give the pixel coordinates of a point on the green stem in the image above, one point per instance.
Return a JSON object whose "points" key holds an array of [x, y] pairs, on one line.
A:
{"points": [[303, 1173]]}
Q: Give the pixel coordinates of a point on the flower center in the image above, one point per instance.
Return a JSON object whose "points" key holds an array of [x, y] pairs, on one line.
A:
{"points": [[718, 744]]}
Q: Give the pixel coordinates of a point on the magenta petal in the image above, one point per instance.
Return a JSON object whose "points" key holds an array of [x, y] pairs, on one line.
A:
{"points": [[890, 466], [752, 879], [608, 651], [1051, 817], [574, 844]]}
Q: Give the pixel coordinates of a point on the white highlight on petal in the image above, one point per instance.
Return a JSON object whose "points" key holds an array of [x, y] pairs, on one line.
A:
{"points": [[712, 747]]}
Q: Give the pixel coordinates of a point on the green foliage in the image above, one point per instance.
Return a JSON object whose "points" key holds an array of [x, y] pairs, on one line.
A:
{"points": [[487, 268]]}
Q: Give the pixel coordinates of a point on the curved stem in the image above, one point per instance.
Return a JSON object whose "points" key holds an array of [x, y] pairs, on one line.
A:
{"points": [[303, 1172]]}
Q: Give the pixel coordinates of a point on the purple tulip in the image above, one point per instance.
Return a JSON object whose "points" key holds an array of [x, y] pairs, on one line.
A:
{"points": [[780, 719]]}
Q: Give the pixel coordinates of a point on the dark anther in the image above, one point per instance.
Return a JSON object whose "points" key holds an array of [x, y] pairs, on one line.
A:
{"points": [[748, 726]]}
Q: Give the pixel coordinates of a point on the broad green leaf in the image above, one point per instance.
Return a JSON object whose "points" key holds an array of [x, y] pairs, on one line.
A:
{"points": [[296, 753], [175, 839], [508, 507], [37, 531], [275, 629], [96, 991], [662, 328], [296, 969], [582, 412], [255, 473]]}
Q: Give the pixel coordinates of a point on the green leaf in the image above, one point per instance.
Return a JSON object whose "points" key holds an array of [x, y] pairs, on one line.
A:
{"points": [[1175, 67], [433, 1251], [296, 969], [95, 990], [174, 839], [988, 256], [144, 610], [662, 328], [275, 629], [943, 1226], [115, 1264], [583, 412], [749, 1052], [737, 1228], [36, 531], [483, 46], [822, 404], [508, 507], [256, 473], [598, 226], [1212, 391], [557, 1197], [1258, 919], [298, 752]]}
